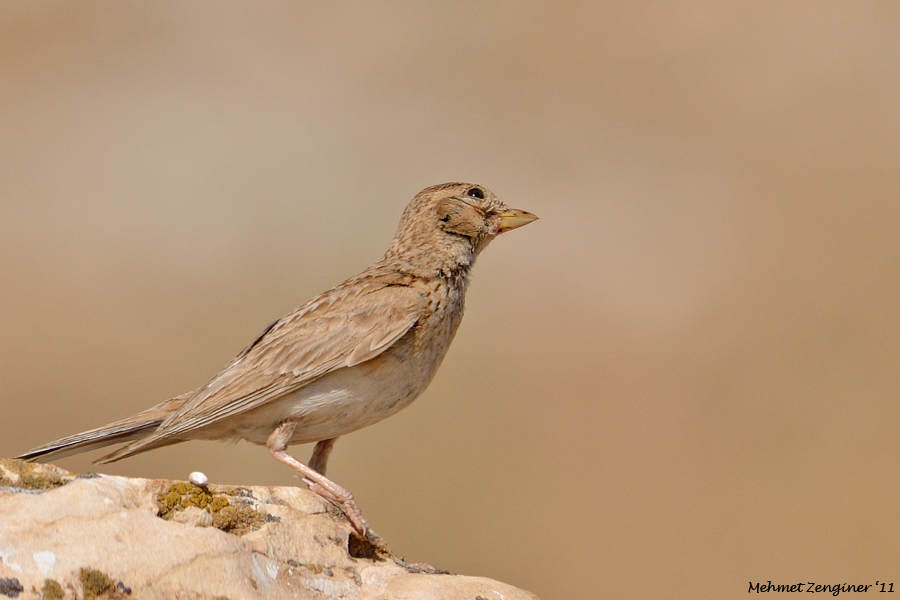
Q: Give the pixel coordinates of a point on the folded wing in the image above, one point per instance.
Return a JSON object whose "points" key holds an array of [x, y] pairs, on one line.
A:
{"points": [[341, 328]]}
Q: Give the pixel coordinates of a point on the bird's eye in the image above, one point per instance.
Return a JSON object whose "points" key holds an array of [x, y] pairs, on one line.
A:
{"points": [[475, 193]]}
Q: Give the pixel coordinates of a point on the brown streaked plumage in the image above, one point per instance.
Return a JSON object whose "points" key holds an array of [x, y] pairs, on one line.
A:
{"points": [[347, 359]]}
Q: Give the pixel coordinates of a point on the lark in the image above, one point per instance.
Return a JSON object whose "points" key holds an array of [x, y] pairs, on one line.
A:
{"points": [[345, 360]]}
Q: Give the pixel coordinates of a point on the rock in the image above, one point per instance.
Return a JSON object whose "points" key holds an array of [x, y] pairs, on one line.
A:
{"points": [[98, 536]]}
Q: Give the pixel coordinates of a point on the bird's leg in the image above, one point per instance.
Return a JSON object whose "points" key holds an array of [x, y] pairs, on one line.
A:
{"points": [[319, 462], [319, 458], [321, 485]]}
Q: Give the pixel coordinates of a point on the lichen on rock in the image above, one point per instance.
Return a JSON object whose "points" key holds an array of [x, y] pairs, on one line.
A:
{"points": [[238, 517], [23, 475], [82, 537], [51, 590]]}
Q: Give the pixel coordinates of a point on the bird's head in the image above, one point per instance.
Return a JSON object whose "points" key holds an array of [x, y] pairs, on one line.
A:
{"points": [[446, 226]]}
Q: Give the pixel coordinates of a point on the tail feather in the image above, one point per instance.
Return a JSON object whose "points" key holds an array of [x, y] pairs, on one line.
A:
{"points": [[127, 430], [135, 448], [90, 440]]}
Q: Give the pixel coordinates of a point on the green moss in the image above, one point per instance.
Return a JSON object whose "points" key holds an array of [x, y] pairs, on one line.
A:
{"points": [[31, 476], [227, 517], [52, 590], [94, 583], [181, 495], [234, 519]]}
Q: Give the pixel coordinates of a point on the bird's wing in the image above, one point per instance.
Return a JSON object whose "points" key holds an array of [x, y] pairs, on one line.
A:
{"points": [[341, 328]]}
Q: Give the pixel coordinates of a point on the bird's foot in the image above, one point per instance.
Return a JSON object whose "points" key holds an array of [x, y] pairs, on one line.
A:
{"points": [[344, 500]]}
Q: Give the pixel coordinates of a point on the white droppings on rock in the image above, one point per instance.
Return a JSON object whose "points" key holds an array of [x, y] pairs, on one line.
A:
{"points": [[44, 561], [198, 478], [5, 556]]}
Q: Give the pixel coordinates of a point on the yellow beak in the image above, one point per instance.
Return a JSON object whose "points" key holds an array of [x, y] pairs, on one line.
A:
{"points": [[513, 219]]}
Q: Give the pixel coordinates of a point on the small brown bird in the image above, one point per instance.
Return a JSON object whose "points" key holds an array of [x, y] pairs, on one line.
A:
{"points": [[347, 359]]}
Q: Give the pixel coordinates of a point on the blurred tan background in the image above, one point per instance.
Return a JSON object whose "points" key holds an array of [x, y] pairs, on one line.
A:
{"points": [[683, 378]]}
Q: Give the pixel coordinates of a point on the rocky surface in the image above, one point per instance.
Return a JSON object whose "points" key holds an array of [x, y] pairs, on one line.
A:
{"points": [[98, 536]]}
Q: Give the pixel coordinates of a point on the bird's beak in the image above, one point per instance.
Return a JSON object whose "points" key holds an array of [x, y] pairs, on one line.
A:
{"points": [[513, 219]]}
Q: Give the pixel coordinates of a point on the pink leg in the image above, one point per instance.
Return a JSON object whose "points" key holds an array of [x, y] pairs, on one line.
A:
{"points": [[319, 458], [318, 483]]}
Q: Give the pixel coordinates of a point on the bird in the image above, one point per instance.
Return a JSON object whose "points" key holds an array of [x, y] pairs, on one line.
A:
{"points": [[345, 360]]}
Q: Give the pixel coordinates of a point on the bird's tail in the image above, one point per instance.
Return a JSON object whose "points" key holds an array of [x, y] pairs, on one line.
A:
{"points": [[126, 430], [90, 440]]}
